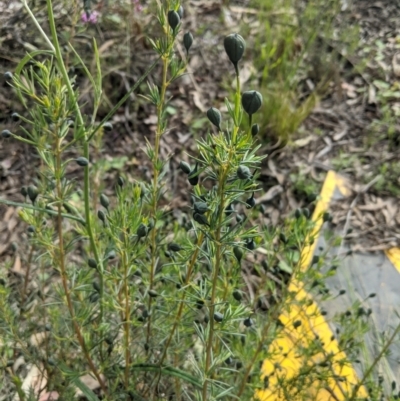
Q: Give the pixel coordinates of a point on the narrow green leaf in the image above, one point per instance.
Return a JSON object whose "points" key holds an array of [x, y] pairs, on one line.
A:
{"points": [[88, 393]]}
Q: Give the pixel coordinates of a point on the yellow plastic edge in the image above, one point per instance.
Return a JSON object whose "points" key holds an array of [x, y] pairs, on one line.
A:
{"points": [[313, 325]]}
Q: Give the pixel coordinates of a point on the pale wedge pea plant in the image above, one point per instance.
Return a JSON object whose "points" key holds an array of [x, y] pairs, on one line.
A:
{"points": [[149, 307]]}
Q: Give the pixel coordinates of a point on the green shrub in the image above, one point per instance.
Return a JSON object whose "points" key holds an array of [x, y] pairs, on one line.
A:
{"points": [[152, 306]]}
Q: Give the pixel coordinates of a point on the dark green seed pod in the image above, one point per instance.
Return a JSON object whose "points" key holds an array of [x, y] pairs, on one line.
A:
{"points": [[314, 260], [237, 295], [33, 193], [108, 127], [234, 46], [15, 117], [109, 340], [201, 219], [173, 19], [187, 41], [8, 76], [229, 360], [244, 173], [306, 213], [218, 317], [251, 102], [104, 201], [298, 213], [173, 247], [255, 129], [297, 324], [142, 230], [120, 181], [82, 161], [145, 313], [341, 292], [194, 176], [92, 263], [5, 134], [153, 294], [311, 197], [101, 215], [180, 12], [47, 327], [250, 244], [51, 362], [214, 116], [250, 202], [111, 255], [238, 252], [248, 322], [94, 297], [31, 229], [283, 238], [200, 207], [239, 364], [185, 167], [199, 303], [24, 191], [324, 312], [96, 286], [262, 209], [326, 217], [372, 295]]}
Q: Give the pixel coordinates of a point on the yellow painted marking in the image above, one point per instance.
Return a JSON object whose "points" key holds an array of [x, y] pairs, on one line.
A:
{"points": [[288, 359], [393, 255]]}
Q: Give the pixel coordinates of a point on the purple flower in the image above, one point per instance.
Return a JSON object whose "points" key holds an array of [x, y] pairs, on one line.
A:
{"points": [[138, 6], [90, 17]]}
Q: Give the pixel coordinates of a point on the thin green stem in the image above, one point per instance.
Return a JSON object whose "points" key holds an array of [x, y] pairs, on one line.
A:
{"points": [[160, 112], [64, 276], [374, 363], [41, 209]]}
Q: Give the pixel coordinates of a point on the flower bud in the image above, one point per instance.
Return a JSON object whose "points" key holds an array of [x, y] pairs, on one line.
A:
{"points": [[185, 167], [92, 263], [15, 117], [214, 116], [173, 247], [104, 201], [244, 173], [234, 46], [96, 286], [107, 126], [237, 295], [120, 181], [187, 41], [218, 317], [237, 251], [33, 193], [141, 231], [194, 176], [251, 101], [201, 219], [82, 161], [5, 134], [200, 207], [8, 76], [180, 12], [101, 215], [173, 19], [250, 244], [250, 202], [283, 238], [255, 129]]}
